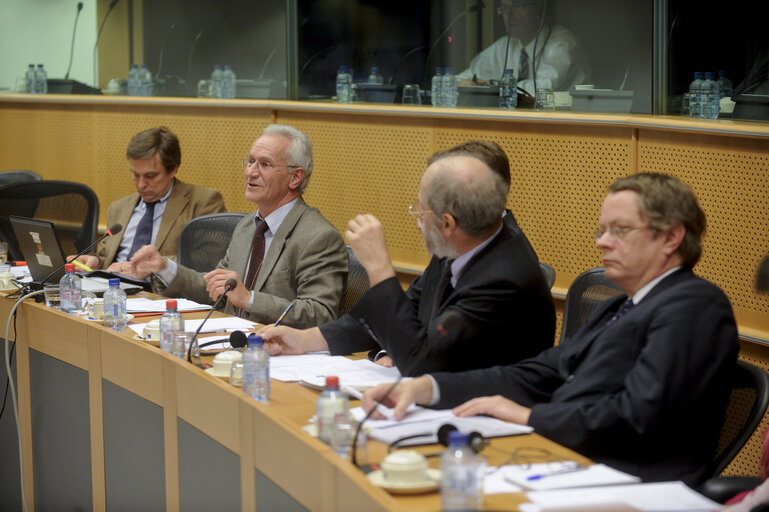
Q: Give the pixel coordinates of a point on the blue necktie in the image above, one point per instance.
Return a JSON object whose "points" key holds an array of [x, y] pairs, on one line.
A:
{"points": [[143, 234], [624, 308]]}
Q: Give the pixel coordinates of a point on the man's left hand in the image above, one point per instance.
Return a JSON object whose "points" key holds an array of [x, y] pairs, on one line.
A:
{"points": [[366, 237], [496, 406], [240, 296]]}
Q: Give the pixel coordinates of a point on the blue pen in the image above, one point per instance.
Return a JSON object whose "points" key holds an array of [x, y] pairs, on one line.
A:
{"points": [[285, 312], [570, 469]]}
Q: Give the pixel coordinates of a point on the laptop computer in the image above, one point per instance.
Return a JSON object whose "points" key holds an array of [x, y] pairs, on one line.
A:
{"points": [[41, 248]]}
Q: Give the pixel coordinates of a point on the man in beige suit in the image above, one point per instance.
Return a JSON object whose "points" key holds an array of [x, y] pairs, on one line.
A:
{"points": [[284, 253], [161, 207]]}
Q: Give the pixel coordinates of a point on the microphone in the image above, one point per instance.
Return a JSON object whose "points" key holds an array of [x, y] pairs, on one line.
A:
{"points": [[195, 40], [72, 47], [448, 323], [162, 52], [478, 6], [237, 340], [112, 5], [113, 230], [228, 287]]}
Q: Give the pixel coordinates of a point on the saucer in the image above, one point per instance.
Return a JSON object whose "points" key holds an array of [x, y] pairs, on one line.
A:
{"points": [[211, 371], [429, 484], [129, 317]]}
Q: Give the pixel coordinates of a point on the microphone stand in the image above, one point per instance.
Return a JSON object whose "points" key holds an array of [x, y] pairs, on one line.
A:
{"points": [[461, 15], [72, 46], [228, 287]]}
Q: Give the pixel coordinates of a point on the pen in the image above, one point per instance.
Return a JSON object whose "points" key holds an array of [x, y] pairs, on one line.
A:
{"points": [[82, 266], [285, 312], [570, 469]]}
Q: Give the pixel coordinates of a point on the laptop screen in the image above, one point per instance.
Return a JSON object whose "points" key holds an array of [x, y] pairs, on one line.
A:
{"points": [[40, 247]]}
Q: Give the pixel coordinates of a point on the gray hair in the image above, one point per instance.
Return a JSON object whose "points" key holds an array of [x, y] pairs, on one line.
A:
{"points": [[299, 151], [475, 200]]}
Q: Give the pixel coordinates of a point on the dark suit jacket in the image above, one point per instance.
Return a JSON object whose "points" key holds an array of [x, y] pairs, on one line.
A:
{"points": [[306, 264], [646, 395], [184, 204], [505, 314]]}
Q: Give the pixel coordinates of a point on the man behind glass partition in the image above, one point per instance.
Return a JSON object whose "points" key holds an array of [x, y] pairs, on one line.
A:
{"points": [[532, 49]]}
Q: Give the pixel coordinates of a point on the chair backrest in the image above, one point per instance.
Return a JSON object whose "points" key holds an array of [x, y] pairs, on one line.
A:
{"points": [[72, 207], [7, 177], [549, 273], [357, 283], [204, 240], [588, 290], [746, 408]]}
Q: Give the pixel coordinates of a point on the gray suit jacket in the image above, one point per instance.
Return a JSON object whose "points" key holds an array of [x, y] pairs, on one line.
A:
{"points": [[306, 264], [184, 204]]}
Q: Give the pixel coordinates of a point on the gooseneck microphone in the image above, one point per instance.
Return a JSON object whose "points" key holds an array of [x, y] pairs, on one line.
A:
{"points": [[450, 321], [237, 340], [477, 7], [228, 287], [72, 46], [113, 230], [112, 5]]}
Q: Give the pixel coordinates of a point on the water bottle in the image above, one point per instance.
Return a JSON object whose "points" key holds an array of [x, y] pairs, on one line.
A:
{"points": [[332, 405], [374, 77], [436, 88], [115, 306], [133, 81], [461, 475], [694, 94], [709, 97], [41, 80], [450, 93], [216, 82], [228, 82], [70, 289], [508, 91], [725, 85], [343, 85], [170, 321], [30, 78], [145, 81], [256, 369]]}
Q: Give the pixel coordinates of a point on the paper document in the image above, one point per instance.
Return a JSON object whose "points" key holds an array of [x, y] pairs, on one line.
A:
{"points": [[361, 374], [222, 324], [144, 305], [552, 475], [652, 497], [425, 423]]}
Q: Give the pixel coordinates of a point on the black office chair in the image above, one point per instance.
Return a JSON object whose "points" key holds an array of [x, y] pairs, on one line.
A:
{"points": [[588, 290], [549, 273], [357, 283], [747, 406], [72, 207], [204, 240], [8, 177]]}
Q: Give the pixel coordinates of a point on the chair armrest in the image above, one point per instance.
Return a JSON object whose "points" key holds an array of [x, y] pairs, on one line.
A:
{"points": [[721, 489]]}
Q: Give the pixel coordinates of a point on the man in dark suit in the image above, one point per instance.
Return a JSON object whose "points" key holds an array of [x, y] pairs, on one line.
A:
{"points": [[284, 253], [643, 385], [482, 280], [154, 157]]}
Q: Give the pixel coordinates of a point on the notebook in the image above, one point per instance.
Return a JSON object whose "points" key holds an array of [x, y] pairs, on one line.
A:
{"points": [[42, 251]]}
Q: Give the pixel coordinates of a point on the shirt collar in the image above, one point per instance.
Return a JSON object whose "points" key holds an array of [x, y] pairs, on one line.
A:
{"points": [[459, 264], [276, 218], [165, 197], [645, 289]]}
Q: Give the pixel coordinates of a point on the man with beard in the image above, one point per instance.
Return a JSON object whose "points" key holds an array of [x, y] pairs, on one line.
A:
{"points": [[481, 300]]}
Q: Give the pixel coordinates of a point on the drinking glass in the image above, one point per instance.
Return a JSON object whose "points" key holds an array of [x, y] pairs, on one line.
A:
{"points": [[236, 373], [411, 95], [181, 343], [52, 296], [3, 252], [545, 99]]}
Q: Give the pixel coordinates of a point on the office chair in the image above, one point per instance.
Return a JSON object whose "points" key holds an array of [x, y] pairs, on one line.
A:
{"points": [[72, 207], [204, 240], [549, 273], [7, 177], [588, 290], [357, 283]]}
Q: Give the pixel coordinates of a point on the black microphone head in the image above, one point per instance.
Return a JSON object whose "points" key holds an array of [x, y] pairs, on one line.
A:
{"points": [[443, 433], [115, 229], [113, 3], [476, 441], [238, 339], [230, 284], [79, 6]]}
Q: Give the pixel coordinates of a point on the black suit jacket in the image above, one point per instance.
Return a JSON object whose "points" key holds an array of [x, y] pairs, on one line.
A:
{"points": [[504, 313], [646, 395]]}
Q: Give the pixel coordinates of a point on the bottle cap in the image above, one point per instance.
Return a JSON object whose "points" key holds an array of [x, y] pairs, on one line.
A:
{"points": [[332, 381], [114, 281], [69, 267], [171, 304], [457, 438], [255, 339]]}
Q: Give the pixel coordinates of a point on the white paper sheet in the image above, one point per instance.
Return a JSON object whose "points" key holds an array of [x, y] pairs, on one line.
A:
{"points": [[555, 475], [219, 324], [144, 305]]}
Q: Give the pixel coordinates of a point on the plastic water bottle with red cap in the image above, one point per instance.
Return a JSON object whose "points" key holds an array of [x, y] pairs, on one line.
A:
{"points": [[70, 289], [170, 321], [332, 405]]}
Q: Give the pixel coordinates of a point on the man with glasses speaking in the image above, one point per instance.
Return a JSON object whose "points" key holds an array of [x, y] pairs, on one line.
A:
{"points": [[284, 253], [534, 50], [643, 385], [481, 300]]}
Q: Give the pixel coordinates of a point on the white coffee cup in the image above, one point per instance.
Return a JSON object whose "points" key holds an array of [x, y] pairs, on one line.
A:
{"points": [[97, 309], [223, 362], [6, 279], [404, 466], [151, 331]]}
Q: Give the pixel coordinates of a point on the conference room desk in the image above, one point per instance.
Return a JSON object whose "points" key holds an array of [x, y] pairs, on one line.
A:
{"points": [[112, 423]]}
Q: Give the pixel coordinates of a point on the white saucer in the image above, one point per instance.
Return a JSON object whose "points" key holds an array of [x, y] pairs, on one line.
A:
{"points": [[430, 484], [129, 317], [211, 371]]}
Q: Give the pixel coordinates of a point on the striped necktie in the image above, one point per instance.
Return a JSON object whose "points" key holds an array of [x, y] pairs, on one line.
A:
{"points": [[143, 234], [523, 65]]}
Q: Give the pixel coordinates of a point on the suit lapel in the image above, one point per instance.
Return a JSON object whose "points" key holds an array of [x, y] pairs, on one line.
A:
{"points": [[279, 241], [123, 218], [177, 201]]}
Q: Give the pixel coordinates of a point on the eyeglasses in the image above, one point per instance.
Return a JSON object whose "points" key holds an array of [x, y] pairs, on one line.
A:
{"points": [[617, 232], [263, 165], [417, 214]]}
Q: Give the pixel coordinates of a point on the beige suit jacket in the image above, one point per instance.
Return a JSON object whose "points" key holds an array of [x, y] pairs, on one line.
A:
{"points": [[184, 204]]}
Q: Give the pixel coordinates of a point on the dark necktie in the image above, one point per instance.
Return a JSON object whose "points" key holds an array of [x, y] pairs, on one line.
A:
{"points": [[444, 286], [624, 308], [523, 65], [257, 253], [143, 234]]}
